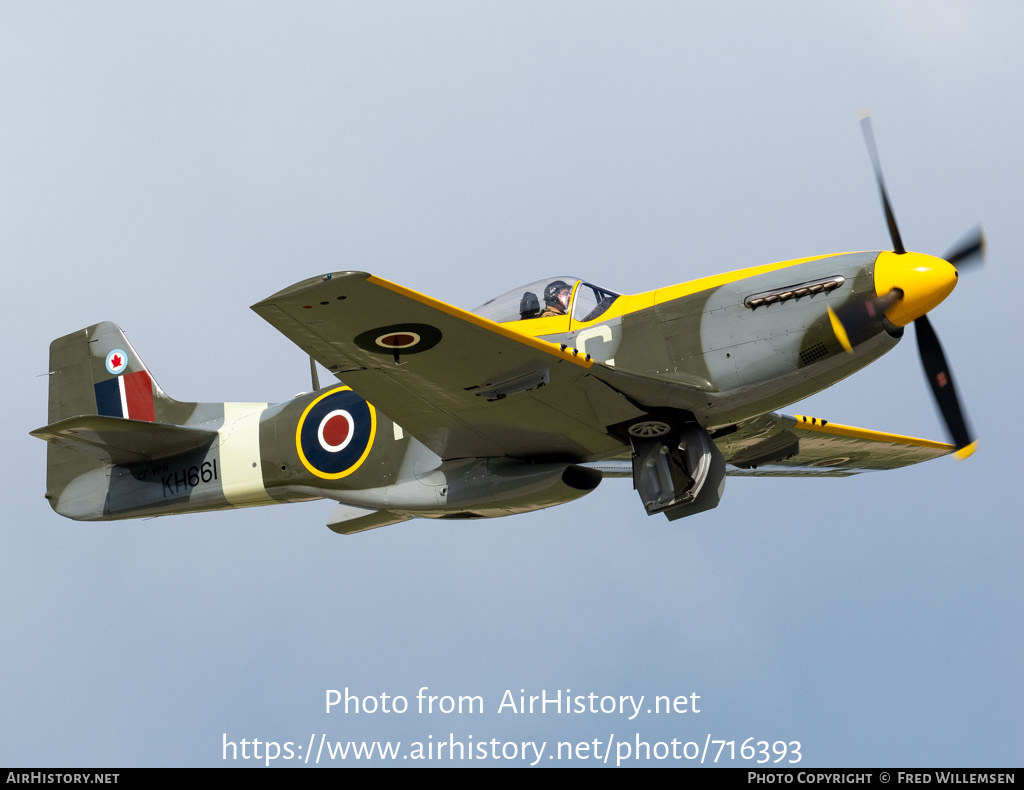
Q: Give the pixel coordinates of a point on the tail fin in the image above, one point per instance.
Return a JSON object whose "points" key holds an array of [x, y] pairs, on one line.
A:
{"points": [[95, 371], [105, 408]]}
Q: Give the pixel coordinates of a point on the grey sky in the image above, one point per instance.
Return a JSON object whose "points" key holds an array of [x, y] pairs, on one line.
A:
{"points": [[166, 165]]}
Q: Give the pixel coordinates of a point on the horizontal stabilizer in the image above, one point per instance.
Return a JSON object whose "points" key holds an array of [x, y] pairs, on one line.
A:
{"points": [[348, 519], [120, 441]]}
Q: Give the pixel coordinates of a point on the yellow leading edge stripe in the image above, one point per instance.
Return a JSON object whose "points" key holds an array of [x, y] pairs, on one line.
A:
{"points": [[815, 424]]}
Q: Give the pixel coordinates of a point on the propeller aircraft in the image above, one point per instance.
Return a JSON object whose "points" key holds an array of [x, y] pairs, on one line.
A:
{"points": [[526, 402]]}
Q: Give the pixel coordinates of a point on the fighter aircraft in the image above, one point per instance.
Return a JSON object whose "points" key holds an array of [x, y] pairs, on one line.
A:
{"points": [[526, 402]]}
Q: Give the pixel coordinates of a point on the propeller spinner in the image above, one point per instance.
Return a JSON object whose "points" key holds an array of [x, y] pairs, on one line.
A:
{"points": [[907, 286]]}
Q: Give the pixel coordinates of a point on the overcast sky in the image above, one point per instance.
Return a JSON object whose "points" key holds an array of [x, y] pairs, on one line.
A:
{"points": [[166, 165]]}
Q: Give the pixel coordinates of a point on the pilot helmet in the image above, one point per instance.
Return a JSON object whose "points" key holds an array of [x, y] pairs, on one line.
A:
{"points": [[557, 293]]}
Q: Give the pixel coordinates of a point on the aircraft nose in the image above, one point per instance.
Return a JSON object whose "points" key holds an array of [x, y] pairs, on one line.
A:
{"points": [[924, 279]]}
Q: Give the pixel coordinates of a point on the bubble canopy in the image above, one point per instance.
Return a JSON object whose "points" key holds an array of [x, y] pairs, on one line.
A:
{"points": [[539, 299]]}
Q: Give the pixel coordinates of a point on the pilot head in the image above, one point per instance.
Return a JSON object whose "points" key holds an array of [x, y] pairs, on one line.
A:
{"points": [[556, 296]]}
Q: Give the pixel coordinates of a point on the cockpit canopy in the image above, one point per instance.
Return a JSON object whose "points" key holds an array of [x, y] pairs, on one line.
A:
{"points": [[552, 296]]}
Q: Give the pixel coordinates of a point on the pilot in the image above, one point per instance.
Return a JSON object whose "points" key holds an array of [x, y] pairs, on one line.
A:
{"points": [[556, 298]]}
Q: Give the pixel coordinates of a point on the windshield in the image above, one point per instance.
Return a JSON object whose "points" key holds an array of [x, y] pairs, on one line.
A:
{"points": [[590, 302]]}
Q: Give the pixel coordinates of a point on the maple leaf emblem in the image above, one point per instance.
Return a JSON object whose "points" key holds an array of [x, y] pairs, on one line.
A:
{"points": [[115, 361]]}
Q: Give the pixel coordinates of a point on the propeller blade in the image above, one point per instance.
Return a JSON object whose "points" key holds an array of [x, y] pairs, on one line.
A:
{"points": [[970, 250], [941, 380], [890, 218], [854, 322]]}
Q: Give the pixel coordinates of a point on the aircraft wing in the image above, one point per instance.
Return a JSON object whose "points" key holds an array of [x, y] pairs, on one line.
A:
{"points": [[776, 445], [461, 384]]}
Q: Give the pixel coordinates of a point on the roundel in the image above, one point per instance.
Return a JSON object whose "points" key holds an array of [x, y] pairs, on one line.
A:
{"points": [[116, 361], [399, 339], [335, 433]]}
